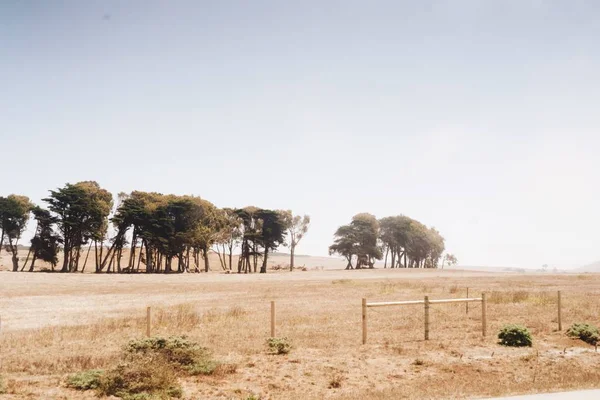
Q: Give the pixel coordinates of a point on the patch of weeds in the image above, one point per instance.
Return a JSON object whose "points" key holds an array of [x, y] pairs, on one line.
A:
{"points": [[517, 296], [146, 378], [2, 387], [453, 289], [177, 351], [342, 282], [515, 336], [335, 382], [236, 312], [279, 345], [387, 288], [149, 369], [85, 380], [418, 362], [206, 367], [528, 357], [586, 332]]}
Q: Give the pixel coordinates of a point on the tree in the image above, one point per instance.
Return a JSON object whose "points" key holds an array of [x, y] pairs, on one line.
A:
{"points": [[296, 226], [14, 214], [450, 259], [82, 211], [272, 233], [45, 244], [228, 237], [359, 238], [395, 235], [344, 243], [251, 227], [366, 229]]}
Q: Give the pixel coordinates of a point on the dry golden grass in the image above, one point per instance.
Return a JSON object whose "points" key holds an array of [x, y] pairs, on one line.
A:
{"points": [[320, 313]]}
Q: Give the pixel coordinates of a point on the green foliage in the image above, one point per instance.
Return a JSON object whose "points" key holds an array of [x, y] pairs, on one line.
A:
{"points": [[586, 332], [85, 380], [149, 369], [177, 351], [358, 238], [279, 345], [515, 336], [45, 244], [404, 236], [144, 378], [81, 211], [203, 367], [14, 214]]}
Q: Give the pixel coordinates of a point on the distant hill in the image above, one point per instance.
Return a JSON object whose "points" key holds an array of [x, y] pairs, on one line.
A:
{"points": [[593, 267]]}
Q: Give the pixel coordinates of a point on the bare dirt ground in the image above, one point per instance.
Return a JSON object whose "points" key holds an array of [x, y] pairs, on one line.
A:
{"points": [[56, 324]]}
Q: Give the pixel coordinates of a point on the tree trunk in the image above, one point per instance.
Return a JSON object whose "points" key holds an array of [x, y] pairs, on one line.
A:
{"points": [[140, 257], [387, 250], [33, 263], [292, 249], [148, 259], [108, 254], [67, 250], [131, 262], [76, 265], [15, 260], [230, 257], [263, 269], [26, 259], [119, 256], [206, 264], [86, 258]]}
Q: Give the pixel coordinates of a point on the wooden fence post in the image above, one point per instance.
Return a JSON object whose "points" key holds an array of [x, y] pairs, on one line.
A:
{"points": [[483, 315], [467, 303], [426, 317], [364, 321], [559, 312], [148, 320], [272, 319]]}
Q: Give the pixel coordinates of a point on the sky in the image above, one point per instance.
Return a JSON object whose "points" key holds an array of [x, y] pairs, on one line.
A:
{"points": [[480, 118]]}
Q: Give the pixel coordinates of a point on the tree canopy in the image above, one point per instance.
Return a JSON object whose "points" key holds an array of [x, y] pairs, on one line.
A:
{"points": [[167, 233], [366, 239]]}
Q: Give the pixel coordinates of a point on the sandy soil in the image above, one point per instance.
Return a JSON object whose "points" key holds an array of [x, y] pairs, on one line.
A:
{"points": [[57, 324], [35, 300]]}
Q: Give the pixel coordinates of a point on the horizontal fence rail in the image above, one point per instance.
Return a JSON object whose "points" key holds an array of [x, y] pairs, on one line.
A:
{"points": [[406, 303], [426, 302]]}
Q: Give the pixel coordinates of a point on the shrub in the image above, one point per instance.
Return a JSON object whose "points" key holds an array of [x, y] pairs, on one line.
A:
{"points": [[149, 369], [586, 332], [279, 345], [177, 351], [85, 380], [515, 336], [143, 379]]}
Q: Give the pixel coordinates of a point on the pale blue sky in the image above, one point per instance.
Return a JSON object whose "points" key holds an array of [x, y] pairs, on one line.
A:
{"points": [[480, 118]]}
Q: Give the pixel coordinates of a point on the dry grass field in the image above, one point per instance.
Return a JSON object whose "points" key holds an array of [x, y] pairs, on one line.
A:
{"points": [[54, 325]]}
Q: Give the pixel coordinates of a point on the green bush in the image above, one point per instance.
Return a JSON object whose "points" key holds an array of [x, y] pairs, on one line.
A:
{"points": [[586, 332], [279, 345], [149, 369], [177, 351], [146, 378], [85, 380], [515, 336]]}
